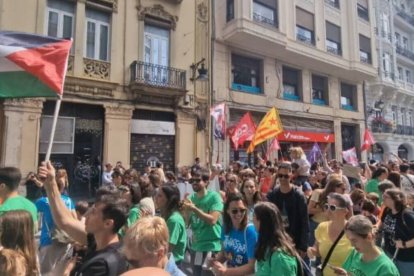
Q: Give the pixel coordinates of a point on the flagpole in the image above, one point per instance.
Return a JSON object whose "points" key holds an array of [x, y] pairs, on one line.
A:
{"points": [[52, 132]]}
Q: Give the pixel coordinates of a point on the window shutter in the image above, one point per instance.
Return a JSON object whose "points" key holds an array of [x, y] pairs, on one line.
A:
{"points": [[305, 19], [333, 32]]}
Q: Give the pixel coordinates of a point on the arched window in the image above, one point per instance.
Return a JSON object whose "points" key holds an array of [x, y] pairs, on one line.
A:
{"points": [[402, 152]]}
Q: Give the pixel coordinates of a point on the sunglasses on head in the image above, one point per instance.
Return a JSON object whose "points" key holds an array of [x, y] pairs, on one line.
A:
{"points": [[236, 211], [332, 207], [283, 175]]}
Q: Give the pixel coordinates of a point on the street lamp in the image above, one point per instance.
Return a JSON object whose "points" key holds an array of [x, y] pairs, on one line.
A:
{"points": [[202, 71]]}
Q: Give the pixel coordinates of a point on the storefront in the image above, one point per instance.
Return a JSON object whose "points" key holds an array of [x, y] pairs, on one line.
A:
{"points": [[152, 139], [77, 145]]}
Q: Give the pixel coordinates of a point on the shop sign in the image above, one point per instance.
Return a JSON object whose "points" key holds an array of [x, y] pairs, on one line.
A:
{"points": [[302, 136], [152, 127]]}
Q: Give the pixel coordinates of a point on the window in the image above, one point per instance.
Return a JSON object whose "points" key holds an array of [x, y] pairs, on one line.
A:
{"points": [[156, 45], [410, 118], [400, 74], [403, 117], [394, 115], [386, 63], [60, 19], [333, 39], [333, 3], [362, 7], [319, 90], [408, 76], [365, 49], [291, 84], [97, 34], [265, 13], [230, 10], [398, 39], [405, 43], [305, 27], [385, 32], [348, 97], [246, 74], [63, 142]]}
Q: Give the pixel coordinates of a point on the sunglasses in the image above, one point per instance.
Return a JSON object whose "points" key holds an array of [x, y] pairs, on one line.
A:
{"points": [[332, 207], [236, 211], [195, 180], [283, 175]]}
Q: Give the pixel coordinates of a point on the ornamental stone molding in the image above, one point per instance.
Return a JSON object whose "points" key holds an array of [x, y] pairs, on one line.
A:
{"points": [[24, 104], [76, 87], [112, 4], [118, 111], [157, 11]]}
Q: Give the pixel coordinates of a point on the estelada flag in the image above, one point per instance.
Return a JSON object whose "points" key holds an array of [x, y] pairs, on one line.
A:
{"points": [[368, 140], [32, 65], [244, 130], [350, 156], [218, 112], [269, 127]]}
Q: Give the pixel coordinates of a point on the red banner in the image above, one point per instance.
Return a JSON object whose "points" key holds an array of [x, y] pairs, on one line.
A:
{"points": [[302, 136]]}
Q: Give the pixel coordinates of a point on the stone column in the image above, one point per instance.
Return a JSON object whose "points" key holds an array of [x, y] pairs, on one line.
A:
{"points": [[117, 136], [79, 40], [20, 124], [338, 139], [185, 139]]}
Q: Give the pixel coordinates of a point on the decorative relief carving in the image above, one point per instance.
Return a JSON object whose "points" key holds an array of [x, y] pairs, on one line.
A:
{"points": [[118, 110], [157, 11], [96, 69], [202, 12], [23, 103], [89, 126]]}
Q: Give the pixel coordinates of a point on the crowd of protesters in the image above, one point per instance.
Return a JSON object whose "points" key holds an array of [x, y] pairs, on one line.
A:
{"points": [[276, 218]]}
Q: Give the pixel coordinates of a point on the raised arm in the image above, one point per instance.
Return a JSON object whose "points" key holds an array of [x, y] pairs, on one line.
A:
{"points": [[62, 216]]}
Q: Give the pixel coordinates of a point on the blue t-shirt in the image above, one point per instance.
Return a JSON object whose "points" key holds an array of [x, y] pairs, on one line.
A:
{"points": [[239, 245], [48, 224]]}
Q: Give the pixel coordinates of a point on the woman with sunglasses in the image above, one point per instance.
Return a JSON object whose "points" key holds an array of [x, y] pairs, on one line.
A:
{"points": [[251, 196], [238, 240], [397, 225], [316, 205], [365, 258], [275, 252], [337, 208]]}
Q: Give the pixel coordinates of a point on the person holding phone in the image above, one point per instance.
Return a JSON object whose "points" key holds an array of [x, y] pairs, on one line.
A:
{"points": [[365, 258]]}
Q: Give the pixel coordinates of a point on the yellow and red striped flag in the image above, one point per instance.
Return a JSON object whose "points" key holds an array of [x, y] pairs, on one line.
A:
{"points": [[269, 127]]}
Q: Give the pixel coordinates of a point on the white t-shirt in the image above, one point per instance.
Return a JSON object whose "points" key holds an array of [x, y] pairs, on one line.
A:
{"points": [[407, 186]]}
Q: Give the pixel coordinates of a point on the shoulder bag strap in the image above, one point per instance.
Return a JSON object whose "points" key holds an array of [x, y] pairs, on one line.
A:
{"points": [[328, 256], [406, 176]]}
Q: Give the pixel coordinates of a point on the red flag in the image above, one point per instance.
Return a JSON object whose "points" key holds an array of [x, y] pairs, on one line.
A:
{"points": [[243, 131], [368, 140]]}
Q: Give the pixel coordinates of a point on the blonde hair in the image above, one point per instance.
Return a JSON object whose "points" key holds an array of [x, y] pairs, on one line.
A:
{"points": [[297, 152], [12, 263], [149, 234]]}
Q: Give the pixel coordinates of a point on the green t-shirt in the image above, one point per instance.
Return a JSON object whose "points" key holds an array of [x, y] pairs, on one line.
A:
{"points": [[178, 235], [372, 187], [206, 237], [133, 215], [279, 264], [20, 203], [381, 266]]}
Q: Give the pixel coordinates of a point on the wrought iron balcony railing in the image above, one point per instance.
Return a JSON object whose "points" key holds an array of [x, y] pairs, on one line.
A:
{"points": [[304, 39], [405, 52], [157, 75], [380, 128], [265, 20], [408, 18]]}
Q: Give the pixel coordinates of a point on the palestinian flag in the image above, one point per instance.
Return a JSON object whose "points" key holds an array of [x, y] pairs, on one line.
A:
{"points": [[32, 65]]}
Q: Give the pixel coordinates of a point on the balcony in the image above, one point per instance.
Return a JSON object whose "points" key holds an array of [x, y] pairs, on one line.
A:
{"points": [[406, 17], [157, 81], [405, 85], [334, 50], [264, 20], [365, 57], [380, 128], [405, 52]]}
